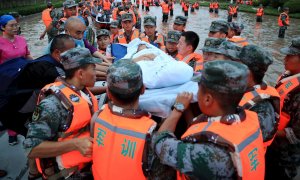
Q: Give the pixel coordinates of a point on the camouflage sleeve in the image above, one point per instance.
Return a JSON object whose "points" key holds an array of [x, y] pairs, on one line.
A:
{"points": [[204, 161], [293, 129], [45, 122], [266, 117]]}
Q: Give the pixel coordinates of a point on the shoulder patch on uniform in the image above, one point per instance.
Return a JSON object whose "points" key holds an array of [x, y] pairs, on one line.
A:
{"points": [[74, 98], [36, 113]]}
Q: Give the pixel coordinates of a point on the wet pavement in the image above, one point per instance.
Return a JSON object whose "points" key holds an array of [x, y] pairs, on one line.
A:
{"points": [[264, 34]]}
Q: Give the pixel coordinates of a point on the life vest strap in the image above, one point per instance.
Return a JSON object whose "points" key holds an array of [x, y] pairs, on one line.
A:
{"points": [[76, 133]]}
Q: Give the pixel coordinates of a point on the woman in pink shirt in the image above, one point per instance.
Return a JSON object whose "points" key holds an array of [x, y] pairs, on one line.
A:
{"points": [[12, 46]]}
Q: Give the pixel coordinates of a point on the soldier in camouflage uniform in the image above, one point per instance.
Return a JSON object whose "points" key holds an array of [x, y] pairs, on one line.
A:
{"points": [[179, 23], [53, 115], [218, 29], [103, 40], [172, 42], [264, 103], [283, 156], [197, 158]]}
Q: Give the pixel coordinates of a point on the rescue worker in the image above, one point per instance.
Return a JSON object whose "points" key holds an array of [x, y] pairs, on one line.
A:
{"points": [[107, 9], [103, 40], [187, 45], [137, 15], [171, 44], [128, 32], [218, 29], [230, 12], [283, 22], [282, 158], [259, 13], [131, 146], [211, 49], [186, 6], [165, 10], [211, 6], [69, 8], [234, 34], [259, 97], [171, 7], [114, 30], [58, 136], [179, 23], [216, 7], [147, 5], [46, 17], [235, 10], [211, 148], [150, 35]]}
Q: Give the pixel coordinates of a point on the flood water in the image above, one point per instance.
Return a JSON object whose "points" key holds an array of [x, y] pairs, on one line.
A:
{"points": [[263, 34]]}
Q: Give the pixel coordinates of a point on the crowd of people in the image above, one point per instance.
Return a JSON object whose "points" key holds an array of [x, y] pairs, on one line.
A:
{"points": [[239, 128]]}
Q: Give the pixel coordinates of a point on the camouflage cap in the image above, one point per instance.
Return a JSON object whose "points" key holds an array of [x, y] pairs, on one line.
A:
{"points": [[77, 57], [237, 27], [69, 4], [180, 20], [294, 48], [173, 36], [224, 76], [127, 17], [212, 45], [230, 49], [124, 77], [102, 32], [114, 24], [256, 58], [219, 26], [149, 21]]}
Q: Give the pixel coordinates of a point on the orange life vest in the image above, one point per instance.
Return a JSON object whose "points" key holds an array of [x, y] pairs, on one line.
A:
{"points": [[46, 17], [159, 39], [122, 38], [231, 10], [106, 5], [251, 98], [287, 20], [112, 37], [260, 12], [240, 41], [216, 5], [102, 52], [284, 87], [211, 5], [165, 8], [119, 145], [194, 56], [185, 7], [79, 127], [243, 140], [115, 14], [133, 16], [234, 9]]}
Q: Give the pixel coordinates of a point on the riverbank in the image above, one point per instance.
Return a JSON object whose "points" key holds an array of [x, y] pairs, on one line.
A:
{"points": [[27, 10]]}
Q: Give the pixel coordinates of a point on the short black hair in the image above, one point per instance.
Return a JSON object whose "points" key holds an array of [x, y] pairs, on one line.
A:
{"points": [[126, 98], [59, 41], [226, 101], [191, 38]]}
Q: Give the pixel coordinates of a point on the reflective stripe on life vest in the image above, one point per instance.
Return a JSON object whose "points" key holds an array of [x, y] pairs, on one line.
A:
{"points": [[287, 20], [240, 41], [243, 141], [284, 87], [251, 98], [81, 113], [159, 39], [119, 146]]}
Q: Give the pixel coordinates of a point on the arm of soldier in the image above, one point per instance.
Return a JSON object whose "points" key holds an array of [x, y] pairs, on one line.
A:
{"points": [[171, 121], [47, 29], [292, 132], [266, 117]]}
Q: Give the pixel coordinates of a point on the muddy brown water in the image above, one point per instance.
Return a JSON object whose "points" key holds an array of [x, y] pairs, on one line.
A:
{"points": [[263, 34]]}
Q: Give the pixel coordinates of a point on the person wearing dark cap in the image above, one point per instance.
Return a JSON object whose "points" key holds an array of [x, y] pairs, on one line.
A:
{"points": [[150, 35], [187, 45], [234, 34], [58, 134], [259, 13], [218, 29], [211, 49], [128, 33], [114, 30], [179, 23], [103, 40], [283, 154], [259, 97], [214, 146], [130, 147], [283, 22], [171, 44]]}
